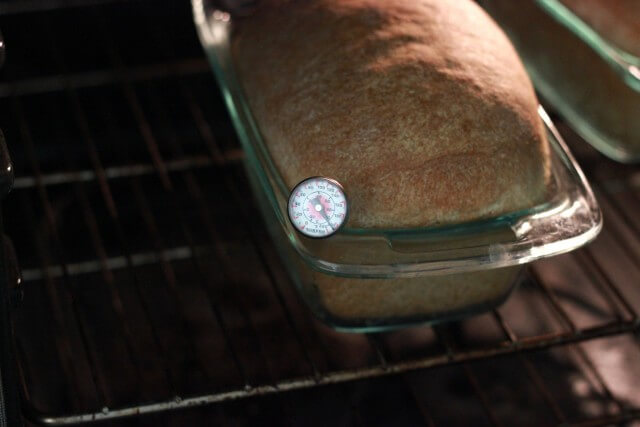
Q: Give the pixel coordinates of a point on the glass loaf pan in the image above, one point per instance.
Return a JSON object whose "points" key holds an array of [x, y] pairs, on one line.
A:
{"points": [[593, 84], [625, 63], [375, 279]]}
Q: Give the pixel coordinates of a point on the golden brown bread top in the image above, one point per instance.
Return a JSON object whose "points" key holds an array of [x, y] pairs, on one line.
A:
{"points": [[421, 109], [617, 21]]}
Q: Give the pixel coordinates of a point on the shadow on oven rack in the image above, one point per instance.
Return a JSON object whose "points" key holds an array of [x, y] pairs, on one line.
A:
{"points": [[150, 284]]}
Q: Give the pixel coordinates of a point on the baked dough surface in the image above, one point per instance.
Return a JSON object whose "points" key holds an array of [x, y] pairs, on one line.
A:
{"points": [[420, 108]]}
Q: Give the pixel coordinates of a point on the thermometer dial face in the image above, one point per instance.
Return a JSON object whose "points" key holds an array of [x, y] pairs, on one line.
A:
{"points": [[318, 207]]}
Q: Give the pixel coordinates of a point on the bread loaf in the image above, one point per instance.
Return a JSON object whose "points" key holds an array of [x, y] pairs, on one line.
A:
{"points": [[591, 95], [420, 108], [616, 21]]}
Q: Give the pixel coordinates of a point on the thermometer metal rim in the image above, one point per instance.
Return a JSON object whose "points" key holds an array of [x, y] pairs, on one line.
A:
{"points": [[346, 206]]}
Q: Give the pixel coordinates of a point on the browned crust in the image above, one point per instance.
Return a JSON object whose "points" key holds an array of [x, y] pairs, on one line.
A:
{"points": [[617, 21], [421, 109]]}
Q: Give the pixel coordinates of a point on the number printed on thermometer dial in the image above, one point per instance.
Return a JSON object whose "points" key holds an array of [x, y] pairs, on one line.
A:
{"points": [[318, 207]]}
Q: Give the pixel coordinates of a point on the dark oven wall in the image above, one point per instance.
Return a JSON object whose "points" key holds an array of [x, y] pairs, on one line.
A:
{"points": [[150, 284]]}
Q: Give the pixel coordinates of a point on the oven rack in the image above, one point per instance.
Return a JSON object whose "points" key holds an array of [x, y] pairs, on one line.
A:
{"points": [[151, 285]]}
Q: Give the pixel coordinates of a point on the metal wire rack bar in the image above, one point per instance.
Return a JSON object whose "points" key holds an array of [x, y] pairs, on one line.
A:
{"points": [[334, 377], [88, 79], [112, 263], [127, 171], [30, 6], [59, 274]]}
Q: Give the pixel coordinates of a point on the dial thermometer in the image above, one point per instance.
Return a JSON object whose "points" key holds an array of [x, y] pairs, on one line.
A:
{"points": [[318, 207]]}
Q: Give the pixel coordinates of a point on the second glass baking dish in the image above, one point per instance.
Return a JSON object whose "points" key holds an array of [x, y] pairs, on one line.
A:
{"points": [[593, 84], [374, 279]]}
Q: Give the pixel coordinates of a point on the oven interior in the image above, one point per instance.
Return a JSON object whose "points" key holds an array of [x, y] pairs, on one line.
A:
{"points": [[153, 295]]}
